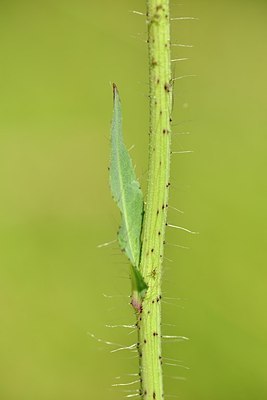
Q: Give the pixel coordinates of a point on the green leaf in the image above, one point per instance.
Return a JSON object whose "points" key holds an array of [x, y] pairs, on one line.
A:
{"points": [[125, 189]]}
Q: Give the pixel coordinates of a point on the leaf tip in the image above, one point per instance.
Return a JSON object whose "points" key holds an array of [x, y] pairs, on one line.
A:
{"points": [[115, 90]]}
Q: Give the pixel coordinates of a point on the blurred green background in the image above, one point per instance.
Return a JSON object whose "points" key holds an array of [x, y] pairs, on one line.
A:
{"points": [[57, 62]]}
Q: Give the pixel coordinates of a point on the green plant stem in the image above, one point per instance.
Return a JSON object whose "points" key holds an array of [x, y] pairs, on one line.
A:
{"points": [[155, 217]]}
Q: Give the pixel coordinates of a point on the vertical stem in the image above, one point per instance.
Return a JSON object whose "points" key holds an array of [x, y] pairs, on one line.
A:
{"points": [[160, 95]]}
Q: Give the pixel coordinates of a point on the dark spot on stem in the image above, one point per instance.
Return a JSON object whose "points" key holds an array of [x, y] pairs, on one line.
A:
{"points": [[167, 87], [153, 273]]}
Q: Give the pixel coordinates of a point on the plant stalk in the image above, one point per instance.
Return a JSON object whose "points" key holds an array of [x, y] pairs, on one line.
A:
{"points": [[155, 217]]}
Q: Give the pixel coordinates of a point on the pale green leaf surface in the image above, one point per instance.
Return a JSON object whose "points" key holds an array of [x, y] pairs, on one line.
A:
{"points": [[125, 189]]}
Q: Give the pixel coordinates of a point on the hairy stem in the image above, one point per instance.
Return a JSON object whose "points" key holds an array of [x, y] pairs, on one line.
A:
{"points": [[160, 95]]}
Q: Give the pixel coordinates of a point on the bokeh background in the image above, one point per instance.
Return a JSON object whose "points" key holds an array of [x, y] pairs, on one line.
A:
{"points": [[57, 288]]}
